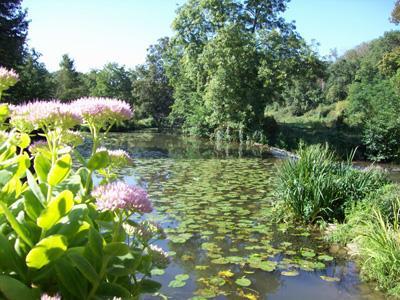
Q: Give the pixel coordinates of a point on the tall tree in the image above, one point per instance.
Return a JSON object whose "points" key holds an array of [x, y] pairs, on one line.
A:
{"points": [[13, 31], [151, 89], [229, 58], [111, 81], [395, 16], [35, 81], [69, 83]]}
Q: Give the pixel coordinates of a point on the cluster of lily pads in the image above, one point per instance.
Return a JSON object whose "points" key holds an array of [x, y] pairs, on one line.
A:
{"points": [[217, 217], [62, 237]]}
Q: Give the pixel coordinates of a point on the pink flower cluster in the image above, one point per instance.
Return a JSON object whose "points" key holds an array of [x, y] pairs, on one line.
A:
{"points": [[44, 114], [7, 78], [103, 110], [118, 158], [119, 195]]}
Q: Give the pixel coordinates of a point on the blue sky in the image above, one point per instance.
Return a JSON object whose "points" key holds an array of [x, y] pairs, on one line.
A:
{"points": [[94, 32]]}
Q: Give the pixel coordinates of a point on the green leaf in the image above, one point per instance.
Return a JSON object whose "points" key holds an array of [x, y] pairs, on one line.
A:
{"points": [[116, 249], [182, 277], [157, 272], [177, 283], [330, 279], [290, 273], [243, 281], [71, 278], [23, 140], [5, 177], [42, 166], [99, 160], [13, 289], [9, 257], [47, 250], [60, 170], [84, 266], [113, 290], [22, 232], [56, 209], [4, 112], [23, 163], [149, 286], [35, 187], [33, 207]]}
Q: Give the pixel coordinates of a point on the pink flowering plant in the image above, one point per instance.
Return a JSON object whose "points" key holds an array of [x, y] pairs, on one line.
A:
{"points": [[61, 237]]}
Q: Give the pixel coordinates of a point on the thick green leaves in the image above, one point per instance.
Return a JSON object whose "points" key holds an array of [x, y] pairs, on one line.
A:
{"points": [[33, 207], [9, 258], [42, 166], [116, 249], [35, 187], [99, 160], [5, 176], [22, 232], [47, 250], [113, 290], [13, 289], [60, 170], [56, 209], [84, 266], [149, 286], [70, 278]]}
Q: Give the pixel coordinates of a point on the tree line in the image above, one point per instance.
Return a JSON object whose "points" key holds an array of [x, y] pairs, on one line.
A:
{"points": [[228, 69]]}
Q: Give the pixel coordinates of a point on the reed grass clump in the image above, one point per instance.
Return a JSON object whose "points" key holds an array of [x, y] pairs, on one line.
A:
{"points": [[316, 186]]}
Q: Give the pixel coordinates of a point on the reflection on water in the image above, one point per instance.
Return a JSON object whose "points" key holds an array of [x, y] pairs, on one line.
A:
{"points": [[215, 205]]}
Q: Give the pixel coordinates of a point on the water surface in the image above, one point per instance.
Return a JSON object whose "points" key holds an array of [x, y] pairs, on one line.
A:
{"points": [[214, 202]]}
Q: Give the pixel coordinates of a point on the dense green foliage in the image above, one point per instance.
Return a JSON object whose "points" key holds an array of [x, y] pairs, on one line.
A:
{"points": [[227, 69], [237, 57], [373, 225], [13, 32], [317, 186]]}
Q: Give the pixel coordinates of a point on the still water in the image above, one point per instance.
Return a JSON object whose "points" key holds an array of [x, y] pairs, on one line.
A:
{"points": [[214, 202]]}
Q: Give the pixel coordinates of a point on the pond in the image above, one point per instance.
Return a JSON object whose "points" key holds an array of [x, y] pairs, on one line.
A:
{"points": [[214, 202]]}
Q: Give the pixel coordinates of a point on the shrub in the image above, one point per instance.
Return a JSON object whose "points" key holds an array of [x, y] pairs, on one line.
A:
{"points": [[384, 200], [317, 186]]}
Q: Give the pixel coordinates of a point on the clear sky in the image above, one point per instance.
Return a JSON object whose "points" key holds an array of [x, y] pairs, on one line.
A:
{"points": [[94, 32]]}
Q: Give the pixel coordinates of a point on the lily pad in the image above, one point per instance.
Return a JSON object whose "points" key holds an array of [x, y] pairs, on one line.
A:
{"points": [[325, 257], [290, 273], [330, 279], [243, 281], [177, 283]]}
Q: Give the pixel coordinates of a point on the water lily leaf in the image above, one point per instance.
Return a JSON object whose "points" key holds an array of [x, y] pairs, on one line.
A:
{"points": [[243, 281], [290, 273], [177, 284], [330, 279], [182, 277], [306, 253], [325, 257], [157, 272]]}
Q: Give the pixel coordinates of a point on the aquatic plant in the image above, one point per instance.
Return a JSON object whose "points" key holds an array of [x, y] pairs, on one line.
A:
{"points": [[380, 251], [317, 186], [59, 236]]}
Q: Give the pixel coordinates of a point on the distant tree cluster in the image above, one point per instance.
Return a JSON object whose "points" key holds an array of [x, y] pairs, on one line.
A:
{"points": [[226, 64]]}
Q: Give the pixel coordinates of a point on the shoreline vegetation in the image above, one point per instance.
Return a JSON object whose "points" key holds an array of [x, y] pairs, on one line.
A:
{"points": [[356, 209]]}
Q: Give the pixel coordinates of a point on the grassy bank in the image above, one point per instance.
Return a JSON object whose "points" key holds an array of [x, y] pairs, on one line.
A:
{"points": [[364, 204]]}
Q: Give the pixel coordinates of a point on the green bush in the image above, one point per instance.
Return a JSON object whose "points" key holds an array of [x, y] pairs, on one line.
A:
{"points": [[383, 200], [317, 186]]}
